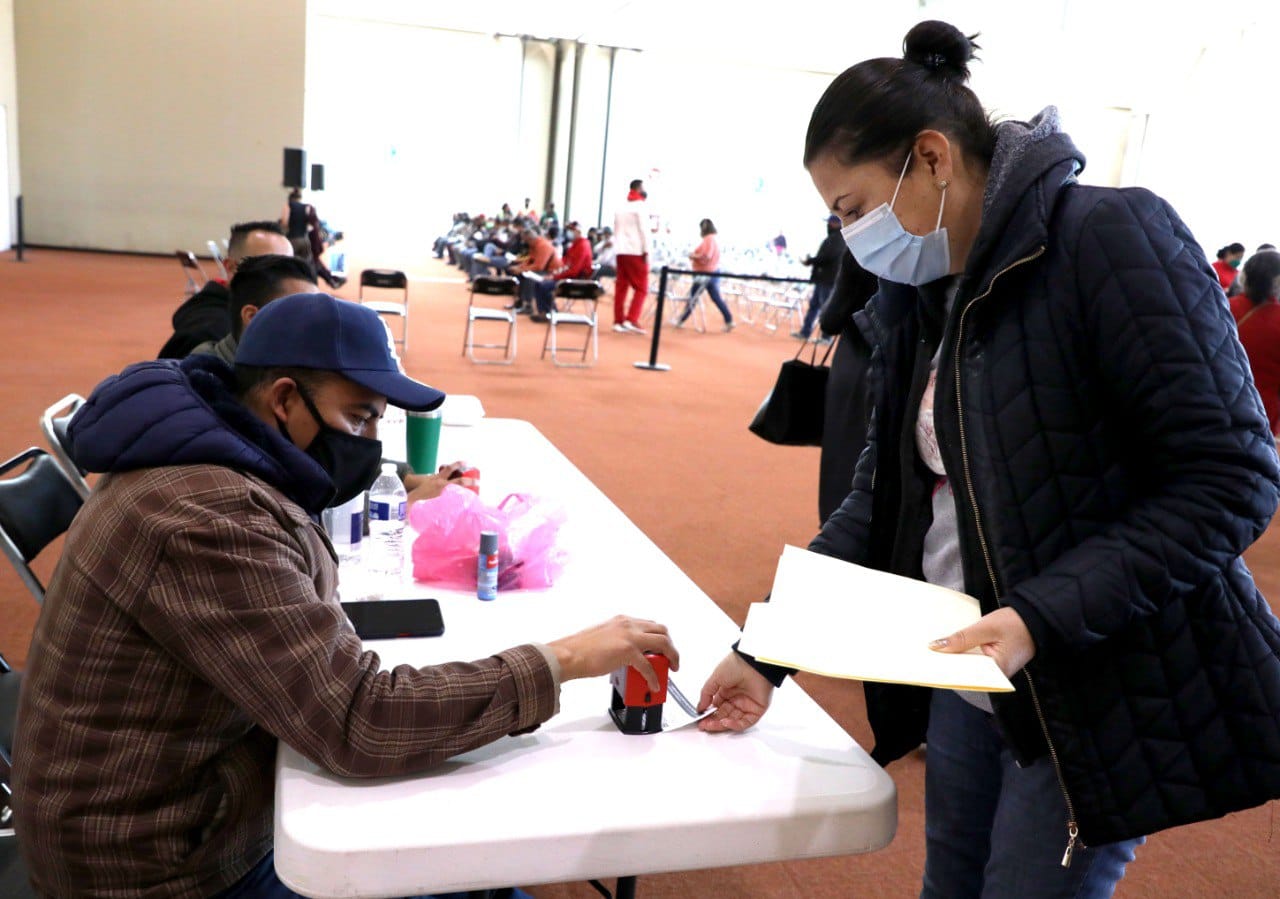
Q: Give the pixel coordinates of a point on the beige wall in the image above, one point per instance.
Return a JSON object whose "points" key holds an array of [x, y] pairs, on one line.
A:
{"points": [[9, 100], [153, 125]]}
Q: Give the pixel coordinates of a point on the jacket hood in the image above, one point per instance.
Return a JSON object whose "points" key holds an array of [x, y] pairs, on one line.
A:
{"points": [[1032, 162], [168, 412]]}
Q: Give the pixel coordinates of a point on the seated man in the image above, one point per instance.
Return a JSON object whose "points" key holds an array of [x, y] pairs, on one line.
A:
{"points": [[204, 316], [577, 264], [258, 280], [500, 250], [192, 620], [539, 261]]}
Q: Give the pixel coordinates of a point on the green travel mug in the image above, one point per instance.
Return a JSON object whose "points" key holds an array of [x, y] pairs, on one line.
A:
{"points": [[422, 435]]}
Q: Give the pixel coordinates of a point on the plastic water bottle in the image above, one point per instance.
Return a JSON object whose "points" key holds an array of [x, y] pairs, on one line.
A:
{"points": [[387, 501]]}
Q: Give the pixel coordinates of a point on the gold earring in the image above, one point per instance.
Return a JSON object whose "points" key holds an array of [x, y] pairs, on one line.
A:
{"points": [[942, 185]]}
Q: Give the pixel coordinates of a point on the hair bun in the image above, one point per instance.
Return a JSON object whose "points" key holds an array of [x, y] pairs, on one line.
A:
{"points": [[941, 48]]}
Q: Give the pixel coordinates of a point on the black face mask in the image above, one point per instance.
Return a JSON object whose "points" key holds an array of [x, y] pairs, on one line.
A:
{"points": [[351, 462]]}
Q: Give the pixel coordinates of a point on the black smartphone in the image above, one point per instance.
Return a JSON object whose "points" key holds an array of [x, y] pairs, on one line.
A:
{"points": [[386, 619]]}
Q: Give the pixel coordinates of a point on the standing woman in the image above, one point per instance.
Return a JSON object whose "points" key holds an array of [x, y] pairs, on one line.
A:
{"points": [[1257, 316], [1065, 429], [1227, 265], [705, 259], [295, 216]]}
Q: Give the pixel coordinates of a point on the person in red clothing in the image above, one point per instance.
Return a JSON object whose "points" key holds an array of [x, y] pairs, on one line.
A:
{"points": [[631, 237], [1227, 264], [577, 264], [1257, 316]]}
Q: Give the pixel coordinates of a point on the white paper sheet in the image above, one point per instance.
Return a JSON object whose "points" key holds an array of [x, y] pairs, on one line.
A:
{"points": [[842, 620]]}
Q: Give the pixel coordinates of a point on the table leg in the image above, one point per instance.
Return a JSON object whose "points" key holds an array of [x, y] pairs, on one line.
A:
{"points": [[626, 888]]}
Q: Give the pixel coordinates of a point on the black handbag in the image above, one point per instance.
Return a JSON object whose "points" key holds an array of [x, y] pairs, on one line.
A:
{"points": [[792, 413]]}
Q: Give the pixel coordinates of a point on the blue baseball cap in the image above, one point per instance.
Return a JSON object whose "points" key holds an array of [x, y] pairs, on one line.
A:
{"points": [[315, 330]]}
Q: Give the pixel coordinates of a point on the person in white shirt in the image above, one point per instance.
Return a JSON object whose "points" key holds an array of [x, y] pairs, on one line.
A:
{"points": [[631, 239]]}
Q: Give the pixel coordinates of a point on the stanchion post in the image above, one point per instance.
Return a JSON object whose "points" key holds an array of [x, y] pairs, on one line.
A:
{"points": [[653, 364], [21, 242]]}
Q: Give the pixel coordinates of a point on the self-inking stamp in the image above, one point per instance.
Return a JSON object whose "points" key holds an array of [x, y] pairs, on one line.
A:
{"points": [[637, 709]]}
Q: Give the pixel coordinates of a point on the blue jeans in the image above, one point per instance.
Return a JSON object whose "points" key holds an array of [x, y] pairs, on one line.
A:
{"points": [[819, 299], [997, 831], [262, 883], [712, 286], [544, 293], [497, 260]]}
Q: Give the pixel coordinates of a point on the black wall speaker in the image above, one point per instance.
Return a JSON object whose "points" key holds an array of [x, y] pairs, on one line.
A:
{"points": [[295, 167], [317, 176]]}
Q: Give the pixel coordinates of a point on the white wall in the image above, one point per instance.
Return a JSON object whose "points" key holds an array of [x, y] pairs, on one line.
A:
{"points": [[152, 125], [9, 100], [414, 124]]}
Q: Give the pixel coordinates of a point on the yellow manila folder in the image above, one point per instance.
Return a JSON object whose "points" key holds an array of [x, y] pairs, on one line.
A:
{"points": [[842, 620]]}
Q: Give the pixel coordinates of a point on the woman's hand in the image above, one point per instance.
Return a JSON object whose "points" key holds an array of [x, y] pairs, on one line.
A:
{"points": [[740, 694], [429, 486], [1001, 635]]}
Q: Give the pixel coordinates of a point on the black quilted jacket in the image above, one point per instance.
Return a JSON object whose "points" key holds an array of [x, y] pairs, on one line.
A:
{"points": [[1111, 461]]}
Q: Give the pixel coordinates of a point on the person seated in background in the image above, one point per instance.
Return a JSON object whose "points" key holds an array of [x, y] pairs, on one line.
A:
{"points": [[501, 247], [606, 254], [460, 254], [258, 281], [457, 232], [577, 264], [204, 316], [539, 260], [192, 621], [1257, 316]]}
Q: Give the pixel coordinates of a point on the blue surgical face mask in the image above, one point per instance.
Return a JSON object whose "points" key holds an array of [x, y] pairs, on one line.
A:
{"points": [[887, 250]]}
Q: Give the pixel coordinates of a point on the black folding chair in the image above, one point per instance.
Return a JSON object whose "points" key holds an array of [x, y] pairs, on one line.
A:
{"points": [[387, 279], [14, 882], [581, 299], [36, 505], [485, 286]]}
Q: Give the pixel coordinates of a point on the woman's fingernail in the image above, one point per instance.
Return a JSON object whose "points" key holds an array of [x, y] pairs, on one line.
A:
{"points": [[940, 643]]}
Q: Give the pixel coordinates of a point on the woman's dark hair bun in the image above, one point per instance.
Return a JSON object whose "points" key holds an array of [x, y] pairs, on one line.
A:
{"points": [[941, 48]]}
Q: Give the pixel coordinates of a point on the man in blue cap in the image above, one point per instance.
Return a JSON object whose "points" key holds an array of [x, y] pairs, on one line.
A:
{"points": [[192, 620]]}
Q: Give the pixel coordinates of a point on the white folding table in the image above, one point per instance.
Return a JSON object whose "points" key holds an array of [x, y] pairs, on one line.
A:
{"points": [[577, 799]]}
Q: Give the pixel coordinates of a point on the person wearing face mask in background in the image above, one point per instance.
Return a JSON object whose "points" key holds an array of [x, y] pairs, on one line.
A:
{"points": [[192, 619], [577, 264], [1064, 428], [1227, 265]]}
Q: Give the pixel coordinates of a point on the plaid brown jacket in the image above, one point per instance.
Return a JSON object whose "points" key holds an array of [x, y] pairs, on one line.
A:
{"points": [[192, 623]]}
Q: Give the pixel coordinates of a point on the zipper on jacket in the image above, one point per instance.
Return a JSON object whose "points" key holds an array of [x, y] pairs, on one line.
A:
{"points": [[1073, 830]]}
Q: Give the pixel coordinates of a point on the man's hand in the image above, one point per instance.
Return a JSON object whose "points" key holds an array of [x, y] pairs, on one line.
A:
{"points": [[619, 641], [1001, 635], [740, 694], [429, 486]]}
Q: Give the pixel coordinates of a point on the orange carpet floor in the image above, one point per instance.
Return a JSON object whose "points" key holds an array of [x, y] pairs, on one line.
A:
{"points": [[671, 449]]}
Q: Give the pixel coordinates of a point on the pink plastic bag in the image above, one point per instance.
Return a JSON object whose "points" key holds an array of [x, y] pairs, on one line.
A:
{"points": [[448, 541]]}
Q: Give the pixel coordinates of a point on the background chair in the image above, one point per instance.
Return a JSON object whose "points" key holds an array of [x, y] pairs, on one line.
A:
{"points": [[196, 278], [387, 279], [581, 301], [54, 426], [14, 882], [216, 252], [485, 286], [36, 505]]}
